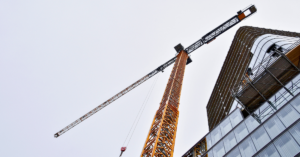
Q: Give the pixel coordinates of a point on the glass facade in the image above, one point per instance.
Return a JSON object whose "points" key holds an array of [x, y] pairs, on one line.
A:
{"points": [[229, 141], [223, 128], [260, 138], [274, 127], [272, 130], [276, 136], [269, 151]]}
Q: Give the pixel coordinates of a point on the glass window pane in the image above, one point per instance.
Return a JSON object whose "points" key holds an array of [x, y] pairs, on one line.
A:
{"points": [[247, 148], [208, 141], [269, 151], [234, 153], [210, 154], [280, 102], [240, 132], [215, 135], [274, 126], [280, 98], [296, 103], [286, 145], [288, 115], [265, 111], [295, 131], [219, 150], [235, 117], [260, 138], [229, 141], [225, 126], [251, 123]]}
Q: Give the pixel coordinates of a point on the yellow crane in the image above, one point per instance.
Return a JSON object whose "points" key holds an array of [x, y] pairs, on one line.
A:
{"points": [[160, 141]]}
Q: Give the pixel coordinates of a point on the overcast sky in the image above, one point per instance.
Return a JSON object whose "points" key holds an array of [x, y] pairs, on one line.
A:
{"points": [[59, 59]]}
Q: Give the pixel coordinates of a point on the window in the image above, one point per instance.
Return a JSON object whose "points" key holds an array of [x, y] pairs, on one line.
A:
{"points": [[234, 153], [295, 131], [229, 141], [247, 148], [296, 103], [210, 154], [288, 115], [235, 118], [265, 111], [269, 151], [260, 138], [215, 135], [225, 126], [286, 145], [280, 99], [219, 150], [251, 123], [240, 132], [208, 141], [274, 126]]}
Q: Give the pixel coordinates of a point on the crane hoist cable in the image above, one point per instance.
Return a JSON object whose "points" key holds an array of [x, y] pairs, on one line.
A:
{"points": [[138, 117]]}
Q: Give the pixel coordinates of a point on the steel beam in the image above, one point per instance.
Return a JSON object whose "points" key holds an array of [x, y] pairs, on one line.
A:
{"points": [[250, 83], [287, 59], [269, 72]]}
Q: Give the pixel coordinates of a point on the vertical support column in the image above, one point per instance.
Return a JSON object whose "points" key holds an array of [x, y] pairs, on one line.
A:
{"points": [[160, 141]]}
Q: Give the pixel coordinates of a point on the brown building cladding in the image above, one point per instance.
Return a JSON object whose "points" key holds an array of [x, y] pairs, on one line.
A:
{"points": [[233, 70]]}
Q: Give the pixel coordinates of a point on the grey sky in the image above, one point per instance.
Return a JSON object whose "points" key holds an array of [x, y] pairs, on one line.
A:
{"points": [[60, 59]]}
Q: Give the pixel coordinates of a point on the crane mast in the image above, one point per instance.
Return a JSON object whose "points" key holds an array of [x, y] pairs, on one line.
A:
{"points": [[161, 137]]}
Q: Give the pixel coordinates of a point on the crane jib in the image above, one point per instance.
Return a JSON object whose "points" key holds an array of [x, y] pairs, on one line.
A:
{"points": [[243, 14]]}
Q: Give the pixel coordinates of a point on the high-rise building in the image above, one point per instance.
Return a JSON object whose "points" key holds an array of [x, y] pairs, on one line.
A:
{"points": [[254, 109]]}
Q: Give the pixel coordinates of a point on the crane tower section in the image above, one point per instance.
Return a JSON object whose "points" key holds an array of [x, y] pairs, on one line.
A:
{"points": [[160, 141]]}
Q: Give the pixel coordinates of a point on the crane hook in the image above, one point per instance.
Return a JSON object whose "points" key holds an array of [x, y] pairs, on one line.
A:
{"points": [[122, 150]]}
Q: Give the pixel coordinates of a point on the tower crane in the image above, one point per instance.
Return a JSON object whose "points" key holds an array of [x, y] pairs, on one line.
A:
{"points": [[160, 141]]}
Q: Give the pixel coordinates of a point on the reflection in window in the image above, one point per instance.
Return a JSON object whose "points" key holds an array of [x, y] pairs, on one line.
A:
{"points": [[219, 150], [274, 126], [296, 103], [286, 145], [235, 118], [295, 85], [288, 115], [295, 131], [279, 99], [247, 148], [225, 126], [265, 111], [215, 135], [260, 138], [234, 153], [229, 141], [251, 123], [267, 114], [240, 132], [208, 141], [269, 151]]}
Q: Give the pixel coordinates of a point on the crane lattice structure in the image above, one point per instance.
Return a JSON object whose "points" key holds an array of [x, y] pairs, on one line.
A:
{"points": [[161, 137]]}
